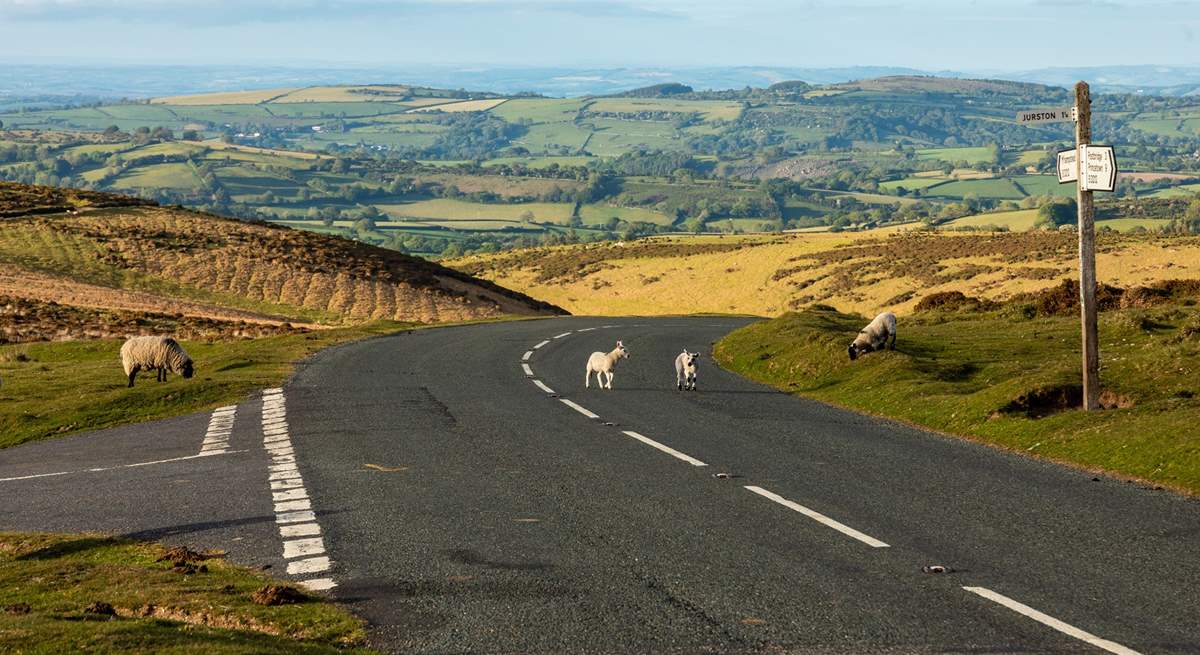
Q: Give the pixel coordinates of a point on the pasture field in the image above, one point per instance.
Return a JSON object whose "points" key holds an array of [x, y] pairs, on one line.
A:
{"points": [[911, 183], [444, 209], [161, 176], [460, 106], [49, 580], [1181, 191], [711, 110], [1000, 188], [971, 155], [972, 373], [1017, 221], [253, 97], [347, 94]]}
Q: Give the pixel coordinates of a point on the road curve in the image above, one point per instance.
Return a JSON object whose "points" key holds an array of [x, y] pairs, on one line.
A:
{"points": [[470, 505], [461, 490]]}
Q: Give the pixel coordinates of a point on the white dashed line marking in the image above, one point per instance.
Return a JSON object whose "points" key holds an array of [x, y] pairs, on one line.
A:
{"points": [[819, 518], [541, 344], [310, 565], [293, 508], [541, 385], [666, 449], [586, 412], [303, 547], [528, 371], [1065, 628], [318, 584], [527, 355], [585, 329], [564, 334], [220, 428]]}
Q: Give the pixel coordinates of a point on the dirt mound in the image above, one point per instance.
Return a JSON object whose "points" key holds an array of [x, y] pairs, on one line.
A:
{"points": [[1063, 300], [100, 608], [1044, 401], [278, 595], [178, 555]]}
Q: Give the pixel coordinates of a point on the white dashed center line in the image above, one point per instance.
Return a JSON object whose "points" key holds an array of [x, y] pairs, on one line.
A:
{"points": [[538, 347], [528, 371], [527, 355], [542, 385], [564, 334], [666, 449], [1045, 619], [819, 518], [582, 410]]}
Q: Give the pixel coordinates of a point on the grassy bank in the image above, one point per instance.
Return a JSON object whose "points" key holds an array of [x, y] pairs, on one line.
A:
{"points": [[95, 594], [55, 388], [1002, 378]]}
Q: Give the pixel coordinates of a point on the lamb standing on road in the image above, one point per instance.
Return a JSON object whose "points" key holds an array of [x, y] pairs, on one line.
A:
{"points": [[160, 354], [602, 364], [685, 370], [875, 336]]}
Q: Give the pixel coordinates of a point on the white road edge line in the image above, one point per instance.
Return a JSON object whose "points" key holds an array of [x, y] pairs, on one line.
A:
{"points": [[541, 344], [818, 517], [666, 449], [1065, 628], [122, 466], [541, 385], [582, 410], [528, 371]]}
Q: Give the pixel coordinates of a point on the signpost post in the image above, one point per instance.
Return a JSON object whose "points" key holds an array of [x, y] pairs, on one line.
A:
{"points": [[1092, 168]]}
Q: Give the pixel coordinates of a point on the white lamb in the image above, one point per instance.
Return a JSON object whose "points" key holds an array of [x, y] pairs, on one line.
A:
{"points": [[604, 364], [873, 337], [685, 370], [159, 354]]}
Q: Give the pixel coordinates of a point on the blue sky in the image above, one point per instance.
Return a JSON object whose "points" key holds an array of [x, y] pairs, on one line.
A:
{"points": [[972, 35]]}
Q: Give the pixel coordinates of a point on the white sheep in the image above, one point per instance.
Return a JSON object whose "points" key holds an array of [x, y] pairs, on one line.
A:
{"points": [[160, 354], [875, 336], [685, 370], [603, 364]]}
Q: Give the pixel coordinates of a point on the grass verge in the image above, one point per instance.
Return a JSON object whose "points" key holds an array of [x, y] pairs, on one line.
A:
{"points": [[56, 388], [97, 594], [1006, 380]]}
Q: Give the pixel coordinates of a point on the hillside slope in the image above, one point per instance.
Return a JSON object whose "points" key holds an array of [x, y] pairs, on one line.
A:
{"points": [[155, 264], [857, 272]]}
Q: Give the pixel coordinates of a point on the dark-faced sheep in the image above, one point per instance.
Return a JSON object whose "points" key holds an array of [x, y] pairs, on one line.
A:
{"points": [[603, 364], [685, 370], [161, 354], [877, 334]]}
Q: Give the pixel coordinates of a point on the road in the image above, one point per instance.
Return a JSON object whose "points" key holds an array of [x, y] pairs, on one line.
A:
{"points": [[461, 503]]}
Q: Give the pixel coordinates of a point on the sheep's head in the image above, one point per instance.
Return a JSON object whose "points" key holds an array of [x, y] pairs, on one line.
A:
{"points": [[690, 357], [187, 371], [621, 351], [853, 350]]}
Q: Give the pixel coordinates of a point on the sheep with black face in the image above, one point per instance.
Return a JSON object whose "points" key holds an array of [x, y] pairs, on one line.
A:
{"points": [[161, 354], [685, 370], [879, 333]]}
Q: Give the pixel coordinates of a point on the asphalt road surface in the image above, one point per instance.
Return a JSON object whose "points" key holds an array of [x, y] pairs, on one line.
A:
{"points": [[461, 490]]}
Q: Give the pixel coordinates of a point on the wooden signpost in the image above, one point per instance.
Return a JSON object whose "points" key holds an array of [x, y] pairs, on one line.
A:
{"points": [[1092, 168]]}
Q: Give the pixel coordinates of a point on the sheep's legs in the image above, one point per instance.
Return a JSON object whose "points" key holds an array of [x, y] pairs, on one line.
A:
{"points": [[587, 379], [133, 375], [892, 343]]}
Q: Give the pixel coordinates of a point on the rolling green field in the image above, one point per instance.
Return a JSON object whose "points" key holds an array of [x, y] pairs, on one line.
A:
{"points": [[974, 155]]}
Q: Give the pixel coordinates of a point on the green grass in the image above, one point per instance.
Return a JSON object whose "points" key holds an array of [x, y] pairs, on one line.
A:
{"points": [[971, 155], [989, 188], [598, 214], [1040, 185], [911, 183], [57, 576], [158, 176], [73, 386], [955, 373], [1181, 191]]}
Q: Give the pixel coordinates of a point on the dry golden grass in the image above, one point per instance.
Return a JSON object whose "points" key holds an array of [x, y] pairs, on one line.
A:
{"points": [[206, 266], [862, 273], [465, 105], [224, 97], [368, 93]]}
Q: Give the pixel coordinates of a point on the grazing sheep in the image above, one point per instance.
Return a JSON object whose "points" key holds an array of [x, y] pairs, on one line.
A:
{"points": [[160, 354], [873, 337], [685, 370], [603, 364]]}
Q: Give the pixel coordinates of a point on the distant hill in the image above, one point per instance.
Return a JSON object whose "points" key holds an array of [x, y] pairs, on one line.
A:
{"points": [[656, 91], [948, 85], [109, 271]]}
